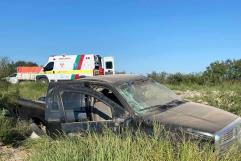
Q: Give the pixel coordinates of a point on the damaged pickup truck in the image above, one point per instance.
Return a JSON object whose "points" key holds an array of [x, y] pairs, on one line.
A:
{"points": [[117, 101]]}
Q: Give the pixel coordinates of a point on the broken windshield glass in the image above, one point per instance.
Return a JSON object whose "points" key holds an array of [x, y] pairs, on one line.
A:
{"points": [[141, 95]]}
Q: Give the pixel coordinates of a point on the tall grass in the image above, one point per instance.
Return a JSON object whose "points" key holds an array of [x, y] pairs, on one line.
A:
{"points": [[7, 96], [226, 96], [109, 147], [30, 90], [12, 131]]}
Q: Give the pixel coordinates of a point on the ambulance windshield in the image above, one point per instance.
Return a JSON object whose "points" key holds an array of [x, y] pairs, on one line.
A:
{"points": [[49, 66]]}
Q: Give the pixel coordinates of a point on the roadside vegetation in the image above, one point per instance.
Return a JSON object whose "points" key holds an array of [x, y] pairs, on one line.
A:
{"points": [[109, 146], [224, 94], [13, 131], [216, 73], [8, 67]]}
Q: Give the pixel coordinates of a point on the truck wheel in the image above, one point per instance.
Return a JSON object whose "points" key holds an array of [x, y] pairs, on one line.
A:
{"points": [[44, 80], [37, 130]]}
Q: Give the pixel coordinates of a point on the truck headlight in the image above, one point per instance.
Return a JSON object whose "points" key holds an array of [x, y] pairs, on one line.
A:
{"points": [[238, 133], [199, 134], [217, 142], [217, 139]]}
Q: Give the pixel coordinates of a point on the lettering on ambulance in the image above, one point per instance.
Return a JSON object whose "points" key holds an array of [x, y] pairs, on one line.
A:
{"points": [[77, 66]]}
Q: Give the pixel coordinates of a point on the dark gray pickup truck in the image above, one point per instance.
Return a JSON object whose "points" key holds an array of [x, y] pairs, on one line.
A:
{"points": [[94, 103]]}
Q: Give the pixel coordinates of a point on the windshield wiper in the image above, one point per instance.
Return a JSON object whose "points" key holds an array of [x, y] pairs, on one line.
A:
{"points": [[174, 102], [144, 109]]}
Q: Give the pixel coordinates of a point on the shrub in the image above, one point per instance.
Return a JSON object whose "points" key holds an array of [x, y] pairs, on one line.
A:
{"points": [[12, 131]]}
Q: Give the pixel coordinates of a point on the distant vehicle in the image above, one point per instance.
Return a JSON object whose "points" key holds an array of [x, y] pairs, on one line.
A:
{"points": [[23, 74], [28, 73], [73, 67], [11, 79], [127, 101]]}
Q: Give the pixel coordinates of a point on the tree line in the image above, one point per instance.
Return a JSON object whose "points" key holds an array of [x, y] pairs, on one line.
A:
{"points": [[8, 67], [217, 72]]}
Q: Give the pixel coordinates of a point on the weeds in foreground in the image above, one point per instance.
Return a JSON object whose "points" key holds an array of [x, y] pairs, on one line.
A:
{"points": [[12, 131], [109, 146]]}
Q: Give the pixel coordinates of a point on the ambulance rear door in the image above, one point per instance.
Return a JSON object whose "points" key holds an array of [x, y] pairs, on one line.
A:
{"points": [[108, 65]]}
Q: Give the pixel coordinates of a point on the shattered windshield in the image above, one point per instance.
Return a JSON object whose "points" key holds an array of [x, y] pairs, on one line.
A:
{"points": [[146, 94]]}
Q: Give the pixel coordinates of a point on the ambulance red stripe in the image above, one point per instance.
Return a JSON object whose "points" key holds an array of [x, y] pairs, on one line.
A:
{"points": [[80, 62], [76, 76]]}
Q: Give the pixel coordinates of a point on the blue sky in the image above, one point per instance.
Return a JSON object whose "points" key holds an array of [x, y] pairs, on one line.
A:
{"points": [[142, 35]]}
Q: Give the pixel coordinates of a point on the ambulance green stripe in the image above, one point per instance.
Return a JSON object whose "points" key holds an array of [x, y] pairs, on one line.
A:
{"points": [[75, 66]]}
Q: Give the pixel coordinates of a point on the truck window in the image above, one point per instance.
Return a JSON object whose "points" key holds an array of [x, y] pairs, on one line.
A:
{"points": [[55, 105], [51, 101], [101, 111], [75, 107], [106, 92], [84, 108], [109, 65], [79, 107], [49, 66]]}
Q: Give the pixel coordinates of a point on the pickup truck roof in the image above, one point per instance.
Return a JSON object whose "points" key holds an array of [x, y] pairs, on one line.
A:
{"points": [[110, 79]]}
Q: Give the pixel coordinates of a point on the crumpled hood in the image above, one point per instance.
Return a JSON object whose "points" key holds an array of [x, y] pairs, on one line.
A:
{"points": [[193, 115]]}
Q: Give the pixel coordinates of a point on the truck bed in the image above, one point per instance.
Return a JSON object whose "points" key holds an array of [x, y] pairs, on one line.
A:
{"points": [[29, 109]]}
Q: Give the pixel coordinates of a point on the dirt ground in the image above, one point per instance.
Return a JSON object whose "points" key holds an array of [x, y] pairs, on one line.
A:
{"points": [[12, 154]]}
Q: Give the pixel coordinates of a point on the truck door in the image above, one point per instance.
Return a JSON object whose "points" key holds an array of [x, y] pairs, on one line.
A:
{"points": [[88, 111], [54, 111], [108, 65]]}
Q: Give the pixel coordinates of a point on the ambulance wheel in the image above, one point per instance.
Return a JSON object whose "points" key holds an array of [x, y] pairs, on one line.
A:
{"points": [[44, 80]]}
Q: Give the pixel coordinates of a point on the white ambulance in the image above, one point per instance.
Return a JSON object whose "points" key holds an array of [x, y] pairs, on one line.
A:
{"points": [[73, 67]]}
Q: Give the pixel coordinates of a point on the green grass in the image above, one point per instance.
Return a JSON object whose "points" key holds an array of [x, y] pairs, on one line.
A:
{"points": [[12, 131], [234, 86], [108, 147], [30, 90], [226, 96]]}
